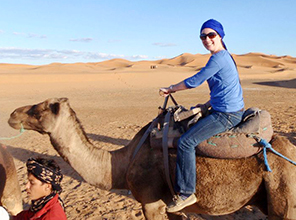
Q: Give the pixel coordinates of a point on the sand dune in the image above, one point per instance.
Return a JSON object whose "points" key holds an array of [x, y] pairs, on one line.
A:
{"points": [[115, 98], [247, 61]]}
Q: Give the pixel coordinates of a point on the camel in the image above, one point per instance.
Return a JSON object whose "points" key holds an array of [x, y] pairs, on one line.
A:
{"points": [[10, 191], [223, 185]]}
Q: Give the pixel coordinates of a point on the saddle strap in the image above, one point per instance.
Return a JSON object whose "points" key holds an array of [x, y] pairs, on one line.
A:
{"points": [[144, 137], [165, 151]]}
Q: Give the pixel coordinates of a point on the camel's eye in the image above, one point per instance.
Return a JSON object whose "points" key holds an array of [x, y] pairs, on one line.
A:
{"points": [[55, 108], [33, 111]]}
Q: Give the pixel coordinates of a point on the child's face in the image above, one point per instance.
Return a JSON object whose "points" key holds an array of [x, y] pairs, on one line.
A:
{"points": [[37, 189]]}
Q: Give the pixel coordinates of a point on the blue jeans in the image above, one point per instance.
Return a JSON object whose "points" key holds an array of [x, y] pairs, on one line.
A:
{"points": [[205, 128]]}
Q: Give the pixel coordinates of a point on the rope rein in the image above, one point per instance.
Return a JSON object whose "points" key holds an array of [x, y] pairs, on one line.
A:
{"points": [[22, 130], [267, 146]]}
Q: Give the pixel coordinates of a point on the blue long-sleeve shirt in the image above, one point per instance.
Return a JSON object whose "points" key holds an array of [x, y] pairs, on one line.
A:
{"points": [[223, 80]]}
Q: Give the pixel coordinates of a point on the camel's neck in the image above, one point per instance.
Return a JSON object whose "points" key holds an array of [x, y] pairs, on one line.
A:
{"points": [[98, 167]]}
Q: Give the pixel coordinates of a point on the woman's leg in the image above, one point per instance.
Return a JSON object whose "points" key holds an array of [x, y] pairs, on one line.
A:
{"points": [[213, 124]]}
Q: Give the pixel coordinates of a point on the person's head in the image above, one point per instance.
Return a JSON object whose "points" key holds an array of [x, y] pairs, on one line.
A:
{"points": [[44, 178], [212, 34]]}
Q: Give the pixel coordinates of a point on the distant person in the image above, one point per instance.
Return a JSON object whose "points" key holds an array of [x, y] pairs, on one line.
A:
{"points": [[43, 188], [226, 103]]}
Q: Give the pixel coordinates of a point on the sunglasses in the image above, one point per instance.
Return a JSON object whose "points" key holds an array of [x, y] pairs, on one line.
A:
{"points": [[211, 35]]}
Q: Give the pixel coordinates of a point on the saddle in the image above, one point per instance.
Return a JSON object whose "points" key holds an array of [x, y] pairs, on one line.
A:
{"points": [[238, 142]]}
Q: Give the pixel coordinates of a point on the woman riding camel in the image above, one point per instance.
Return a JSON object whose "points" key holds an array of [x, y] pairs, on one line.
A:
{"points": [[227, 108]]}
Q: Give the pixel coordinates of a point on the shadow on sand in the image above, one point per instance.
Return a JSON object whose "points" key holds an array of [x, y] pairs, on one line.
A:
{"points": [[289, 84], [24, 154], [106, 139], [290, 136]]}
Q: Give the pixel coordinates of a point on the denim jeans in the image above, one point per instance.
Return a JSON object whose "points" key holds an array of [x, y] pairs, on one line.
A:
{"points": [[205, 128]]}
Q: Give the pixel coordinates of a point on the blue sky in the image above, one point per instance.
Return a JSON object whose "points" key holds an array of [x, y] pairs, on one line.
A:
{"points": [[68, 31]]}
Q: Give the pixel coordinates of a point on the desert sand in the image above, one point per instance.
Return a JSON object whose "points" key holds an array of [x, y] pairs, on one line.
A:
{"points": [[115, 98]]}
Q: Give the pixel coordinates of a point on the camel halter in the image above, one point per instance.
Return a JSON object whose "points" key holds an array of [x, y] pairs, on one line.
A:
{"points": [[22, 130]]}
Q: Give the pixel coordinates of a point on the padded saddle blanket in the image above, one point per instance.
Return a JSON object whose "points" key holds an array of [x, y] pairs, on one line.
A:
{"points": [[238, 142]]}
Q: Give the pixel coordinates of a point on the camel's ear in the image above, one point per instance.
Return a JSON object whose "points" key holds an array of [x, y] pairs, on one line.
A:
{"points": [[55, 108], [61, 100]]}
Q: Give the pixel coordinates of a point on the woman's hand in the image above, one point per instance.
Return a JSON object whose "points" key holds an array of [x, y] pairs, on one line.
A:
{"points": [[164, 92], [204, 107]]}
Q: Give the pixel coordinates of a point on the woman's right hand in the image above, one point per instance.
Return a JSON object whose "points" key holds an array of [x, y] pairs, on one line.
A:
{"points": [[164, 92]]}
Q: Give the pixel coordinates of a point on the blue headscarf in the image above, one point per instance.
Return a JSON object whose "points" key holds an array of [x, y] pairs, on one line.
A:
{"points": [[216, 26]]}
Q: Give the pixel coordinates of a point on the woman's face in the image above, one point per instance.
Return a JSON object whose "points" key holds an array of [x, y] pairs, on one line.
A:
{"points": [[37, 189], [211, 40]]}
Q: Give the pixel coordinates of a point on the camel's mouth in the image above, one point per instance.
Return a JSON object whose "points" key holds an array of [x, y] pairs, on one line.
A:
{"points": [[14, 124], [19, 125]]}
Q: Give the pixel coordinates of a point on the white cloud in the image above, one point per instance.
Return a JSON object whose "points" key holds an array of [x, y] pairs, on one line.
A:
{"points": [[105, 56], [20, 53], [164, 44], [48, 55], [86, 39], [138, 57], [30, 35]]}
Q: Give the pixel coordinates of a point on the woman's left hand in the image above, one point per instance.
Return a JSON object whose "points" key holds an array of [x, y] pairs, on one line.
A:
{"points": [[204, 108]]}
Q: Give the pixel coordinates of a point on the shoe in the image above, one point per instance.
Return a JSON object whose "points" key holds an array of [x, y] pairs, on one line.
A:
{"points": [[179, 204]]}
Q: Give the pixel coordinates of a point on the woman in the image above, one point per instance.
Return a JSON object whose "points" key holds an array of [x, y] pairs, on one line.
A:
{"points": [[43, 188], [226, 102]]}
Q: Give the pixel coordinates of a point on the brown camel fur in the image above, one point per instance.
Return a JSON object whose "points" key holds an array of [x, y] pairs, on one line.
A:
{"points": [[223, 186], [10, 191]]}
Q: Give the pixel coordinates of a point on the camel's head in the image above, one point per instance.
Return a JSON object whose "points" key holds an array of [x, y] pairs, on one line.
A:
{"points": [[42, 117]]}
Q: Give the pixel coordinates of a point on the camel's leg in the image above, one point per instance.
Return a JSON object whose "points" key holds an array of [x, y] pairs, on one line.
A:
{"points": [[154, 208], [12, 197], [281, 195], [153, 195], [157, 211], [145, 178], [10, 192], [280, 183]]}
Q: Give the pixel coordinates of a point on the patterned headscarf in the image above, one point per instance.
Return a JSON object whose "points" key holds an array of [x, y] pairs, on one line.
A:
{"points": [[47, 175]]}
